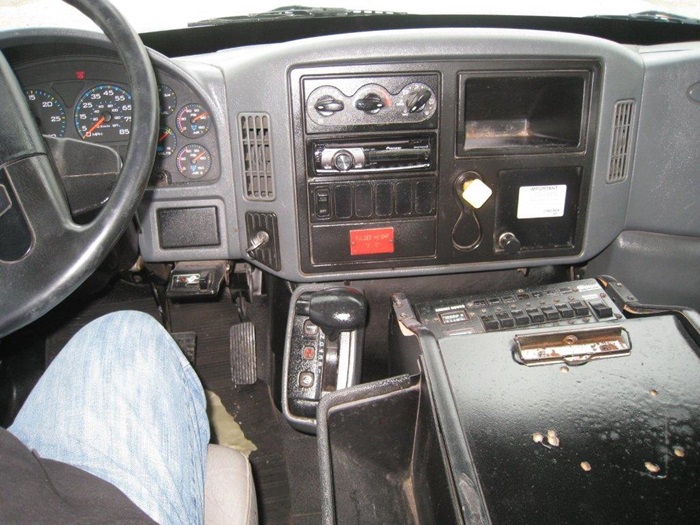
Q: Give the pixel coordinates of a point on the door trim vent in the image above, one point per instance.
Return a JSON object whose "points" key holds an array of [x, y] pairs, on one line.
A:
{"points": [[623, 120], [254, 135]]}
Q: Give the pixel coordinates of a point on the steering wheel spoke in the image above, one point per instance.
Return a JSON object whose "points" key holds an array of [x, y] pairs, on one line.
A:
{"points": [[37, 210]]}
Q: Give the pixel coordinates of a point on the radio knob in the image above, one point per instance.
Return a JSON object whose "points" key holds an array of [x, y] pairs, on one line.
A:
{"points": [[509, 243], [370, 103], [343, 160]]}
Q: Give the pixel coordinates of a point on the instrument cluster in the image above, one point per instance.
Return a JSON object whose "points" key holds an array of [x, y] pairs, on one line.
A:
{"points": [[89, 99]]}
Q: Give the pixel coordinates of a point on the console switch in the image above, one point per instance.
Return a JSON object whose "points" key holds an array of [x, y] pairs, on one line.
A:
{"points": [[602, 310]]}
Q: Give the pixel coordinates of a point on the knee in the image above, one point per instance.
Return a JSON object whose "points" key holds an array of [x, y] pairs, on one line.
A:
{"points": [[126, 336]]}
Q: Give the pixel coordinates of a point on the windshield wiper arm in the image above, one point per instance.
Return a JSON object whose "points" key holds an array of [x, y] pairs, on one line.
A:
{"points": [[653, 16], [294, 11]]}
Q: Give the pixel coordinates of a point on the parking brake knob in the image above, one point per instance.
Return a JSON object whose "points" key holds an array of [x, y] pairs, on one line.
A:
{"points": [[338, 310]]}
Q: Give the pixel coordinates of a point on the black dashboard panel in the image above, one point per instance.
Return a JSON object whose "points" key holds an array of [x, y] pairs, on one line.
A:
{"points": [[385, 157]]}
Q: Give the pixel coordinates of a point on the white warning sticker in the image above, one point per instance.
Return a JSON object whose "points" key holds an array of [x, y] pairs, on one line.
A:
{"points": [[537, 202]]}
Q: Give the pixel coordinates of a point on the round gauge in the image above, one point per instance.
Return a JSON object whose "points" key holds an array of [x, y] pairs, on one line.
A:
{"points": [[103, 114], [47, 111], [193, 121], [168, 99], [193, 161], [167, 142]]}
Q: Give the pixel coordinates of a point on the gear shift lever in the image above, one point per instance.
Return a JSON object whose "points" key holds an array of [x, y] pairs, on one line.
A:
{"points": [[336, 310], [323, 351]]}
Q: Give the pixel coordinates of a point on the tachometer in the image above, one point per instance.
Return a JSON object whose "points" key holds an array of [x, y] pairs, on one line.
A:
{"points": [[48, 112], [103, 114]]}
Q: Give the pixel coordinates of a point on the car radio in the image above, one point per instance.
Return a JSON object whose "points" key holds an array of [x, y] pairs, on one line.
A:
{"points": [[411, 154]]}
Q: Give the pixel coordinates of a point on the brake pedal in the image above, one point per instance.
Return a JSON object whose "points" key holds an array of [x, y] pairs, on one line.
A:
{"points": [[243, 361], [187, 341]]}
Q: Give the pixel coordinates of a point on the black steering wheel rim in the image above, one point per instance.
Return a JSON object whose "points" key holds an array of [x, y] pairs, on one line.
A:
{"points": [[63, 254]]}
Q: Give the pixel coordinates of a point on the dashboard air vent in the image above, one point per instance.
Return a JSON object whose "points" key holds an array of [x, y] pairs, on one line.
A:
{"points": [[621, 140], [257, 156]]}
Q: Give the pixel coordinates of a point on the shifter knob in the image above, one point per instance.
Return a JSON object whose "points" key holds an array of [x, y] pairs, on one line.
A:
{"points": [[338, 310]]}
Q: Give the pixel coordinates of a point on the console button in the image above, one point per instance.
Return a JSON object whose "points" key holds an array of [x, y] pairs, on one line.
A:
{"points": [[520, 318], [425, 197], [601, 309], [506, 320], [310, 329], [565, 311], [343, 202], [580, 309], [494, 300], [363, 200], [306, 379], [551, 313], [490, 323], [322, 203], [404, 198], [383, 202], [308, 352], [535, 315]]}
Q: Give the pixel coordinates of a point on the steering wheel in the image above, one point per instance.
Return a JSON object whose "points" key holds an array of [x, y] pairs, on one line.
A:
{"points": [[44, 254]]}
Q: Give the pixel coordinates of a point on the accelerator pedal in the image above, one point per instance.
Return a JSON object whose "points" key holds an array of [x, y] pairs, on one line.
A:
{"points": [[243, 361]]}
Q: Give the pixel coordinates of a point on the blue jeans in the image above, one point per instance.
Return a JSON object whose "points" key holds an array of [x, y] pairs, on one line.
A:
{"points": [[123, 403]]}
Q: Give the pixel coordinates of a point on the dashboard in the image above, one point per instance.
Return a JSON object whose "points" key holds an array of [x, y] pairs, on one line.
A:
{"points": [[390, 153]]}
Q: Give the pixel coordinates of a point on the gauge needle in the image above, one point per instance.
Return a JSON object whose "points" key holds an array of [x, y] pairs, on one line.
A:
{"points": [[162, 137], [96, 125], [201, 115], [194, 160]]}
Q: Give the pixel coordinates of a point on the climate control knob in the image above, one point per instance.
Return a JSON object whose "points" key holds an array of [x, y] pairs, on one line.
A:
{"points": [[370, 103], [343, 160], [417, 101]]}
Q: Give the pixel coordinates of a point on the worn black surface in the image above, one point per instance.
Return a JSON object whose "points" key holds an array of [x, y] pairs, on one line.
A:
{"points": [[621, 416]]}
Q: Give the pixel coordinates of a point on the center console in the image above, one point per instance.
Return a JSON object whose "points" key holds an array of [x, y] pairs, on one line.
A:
{"points": [[455, 162], [567, 403]]}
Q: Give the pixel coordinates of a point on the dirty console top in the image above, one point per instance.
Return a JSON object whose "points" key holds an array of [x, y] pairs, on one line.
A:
{"points": [[608, 441]]}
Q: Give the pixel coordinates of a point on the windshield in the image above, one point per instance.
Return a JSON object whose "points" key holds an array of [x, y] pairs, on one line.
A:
{"points": [[156, 15]]}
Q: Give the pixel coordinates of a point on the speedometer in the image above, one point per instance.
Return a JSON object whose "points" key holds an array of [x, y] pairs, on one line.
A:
{"points": [[103, 114]]}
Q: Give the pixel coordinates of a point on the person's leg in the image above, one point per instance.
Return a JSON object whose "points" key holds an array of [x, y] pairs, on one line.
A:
{"points": [[122, 402]]}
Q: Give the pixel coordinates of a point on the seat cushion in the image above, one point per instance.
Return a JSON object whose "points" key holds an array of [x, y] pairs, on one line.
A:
{"points": [[229, 492]]}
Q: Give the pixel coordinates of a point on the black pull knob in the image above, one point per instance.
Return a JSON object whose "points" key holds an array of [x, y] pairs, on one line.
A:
{"points": [[338, 310], [417, 101], [370, 103], [327, 105], [509, 243]]}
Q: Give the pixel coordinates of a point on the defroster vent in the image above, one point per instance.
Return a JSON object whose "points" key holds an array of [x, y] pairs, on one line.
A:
{"points": [[257, 156], [621, 141]]}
